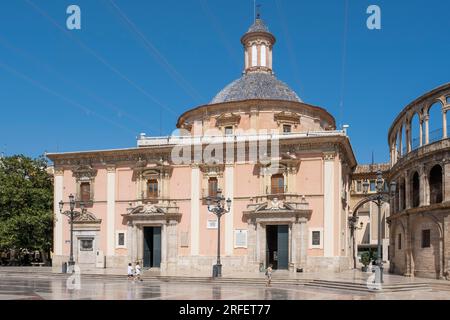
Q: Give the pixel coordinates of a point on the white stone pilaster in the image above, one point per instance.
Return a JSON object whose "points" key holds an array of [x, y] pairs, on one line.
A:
{"points": [[195, 211], [110, 210], [59, 218], [328, 205], [229, 219]]}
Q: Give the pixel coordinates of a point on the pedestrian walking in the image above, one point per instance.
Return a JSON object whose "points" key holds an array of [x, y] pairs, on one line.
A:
{"points": [[138, 272], [130, 271], [269, 271]]}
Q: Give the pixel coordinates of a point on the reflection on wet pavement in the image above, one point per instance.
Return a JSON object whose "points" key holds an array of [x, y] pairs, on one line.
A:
{"points": [[14, 287]]}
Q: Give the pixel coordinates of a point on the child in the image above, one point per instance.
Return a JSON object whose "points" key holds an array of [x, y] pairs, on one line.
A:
{"points": [[130, 271], [138, 272], [269, 275]]}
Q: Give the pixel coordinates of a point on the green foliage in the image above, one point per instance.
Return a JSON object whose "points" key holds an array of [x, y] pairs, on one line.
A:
{"points": [[26, 202], [365, 258]]}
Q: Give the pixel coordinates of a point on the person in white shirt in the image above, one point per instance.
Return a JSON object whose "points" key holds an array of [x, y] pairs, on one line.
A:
{"points": [[130, 271], [138, 272]]}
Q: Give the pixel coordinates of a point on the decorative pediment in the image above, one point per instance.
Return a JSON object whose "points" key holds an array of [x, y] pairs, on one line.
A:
{"points": [[85, 217], [287, 117], [151, 211], [228, 119], [279, 208], [84, 172], [147, 209], [212, 170]]}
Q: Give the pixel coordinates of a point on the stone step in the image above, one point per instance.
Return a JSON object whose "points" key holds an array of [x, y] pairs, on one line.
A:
{"points": [[362, 287]]}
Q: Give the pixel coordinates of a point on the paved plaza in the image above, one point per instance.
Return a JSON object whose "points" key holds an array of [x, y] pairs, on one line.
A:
{"points": [[46, 286]]}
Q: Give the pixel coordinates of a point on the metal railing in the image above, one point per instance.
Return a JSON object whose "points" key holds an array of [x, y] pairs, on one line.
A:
{"points": [[434, 136]]}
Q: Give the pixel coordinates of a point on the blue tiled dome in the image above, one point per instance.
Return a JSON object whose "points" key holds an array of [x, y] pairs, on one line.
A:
{"points": [[256, 85]]}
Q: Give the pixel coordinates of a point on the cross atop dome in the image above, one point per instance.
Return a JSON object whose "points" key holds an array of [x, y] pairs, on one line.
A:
{"points": [[258, 43]]}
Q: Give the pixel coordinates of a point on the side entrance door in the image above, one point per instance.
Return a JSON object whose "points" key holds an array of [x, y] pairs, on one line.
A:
{"points": [[152, 247]]}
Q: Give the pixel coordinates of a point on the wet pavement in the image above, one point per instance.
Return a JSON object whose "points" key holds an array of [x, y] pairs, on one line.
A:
{"points": [[49, 287]]}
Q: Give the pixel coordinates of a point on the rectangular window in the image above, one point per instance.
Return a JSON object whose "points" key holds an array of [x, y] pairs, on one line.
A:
{"points": [[277, 184], [399, 242], [359, 186], [213, 185], [228, 131], [426, 238], [152, 189], [86, 245], [372, 185], [85, 192], [287, 128], [316, 238], [121, 240]]}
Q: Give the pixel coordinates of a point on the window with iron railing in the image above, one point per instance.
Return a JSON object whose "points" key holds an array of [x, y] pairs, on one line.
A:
{"points": [[213, 184], [85, 192], [152, 189], [277, 184]]}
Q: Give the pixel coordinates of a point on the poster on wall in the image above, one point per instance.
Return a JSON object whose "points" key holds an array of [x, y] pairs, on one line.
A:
{"points": [[240, 238]]}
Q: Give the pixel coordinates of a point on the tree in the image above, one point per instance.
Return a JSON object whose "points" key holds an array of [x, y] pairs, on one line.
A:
{"points": [[26, 204]]}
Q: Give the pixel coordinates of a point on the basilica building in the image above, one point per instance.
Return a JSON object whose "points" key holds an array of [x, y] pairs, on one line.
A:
{"points": [[144, 205]]}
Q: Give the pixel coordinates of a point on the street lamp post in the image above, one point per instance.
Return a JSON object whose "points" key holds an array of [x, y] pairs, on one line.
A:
{"points": [[216, 206], [381, 196], [353, 227], [70, 213]]}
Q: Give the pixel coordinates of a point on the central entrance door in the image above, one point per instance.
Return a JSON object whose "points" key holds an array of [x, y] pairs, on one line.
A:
{"points": [[277, 248], [152, 247]]}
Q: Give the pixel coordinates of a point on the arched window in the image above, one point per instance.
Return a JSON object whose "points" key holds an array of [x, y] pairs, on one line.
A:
{"points": [[404, 141], [277, 184], [403, 193], [435, 122], [436, 185], [415, 190], [263, 55], [85, 192], [415, 132], [212, 187], [152, 189], [254, 56]]}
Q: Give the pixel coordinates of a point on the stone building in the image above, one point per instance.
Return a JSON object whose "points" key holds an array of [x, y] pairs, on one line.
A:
{"points": [[290, 210], [420, 219], [365, 215]]}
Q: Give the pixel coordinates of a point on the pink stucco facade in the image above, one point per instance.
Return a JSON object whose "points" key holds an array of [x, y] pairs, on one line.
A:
{"points": [[144, 205]]}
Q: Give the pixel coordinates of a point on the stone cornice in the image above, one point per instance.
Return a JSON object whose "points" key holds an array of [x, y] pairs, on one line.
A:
{"points": [[247, 106]]}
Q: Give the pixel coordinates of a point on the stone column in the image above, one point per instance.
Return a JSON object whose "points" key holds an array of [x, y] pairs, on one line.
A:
{"points": [[446, 248], [195, 210], [400, 198], [59, 218], [423, 181], [420, 133], [446, 180], [252, 245], [427, 129], [329, 200], [111, 210], [409, 249], [130, 241], [444, 124], [229, 217], [261, 238], [407, 191], [171, 246], [303, 242], [408, 138]]}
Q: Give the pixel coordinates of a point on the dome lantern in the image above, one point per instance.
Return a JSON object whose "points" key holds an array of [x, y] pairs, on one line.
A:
{"points": [[258, 43]]}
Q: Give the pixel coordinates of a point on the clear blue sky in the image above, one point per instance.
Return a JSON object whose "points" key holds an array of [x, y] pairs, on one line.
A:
{"points": [[99, 87]]}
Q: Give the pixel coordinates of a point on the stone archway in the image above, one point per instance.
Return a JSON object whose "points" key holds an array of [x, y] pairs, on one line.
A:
{"points": [[426, 247]]}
